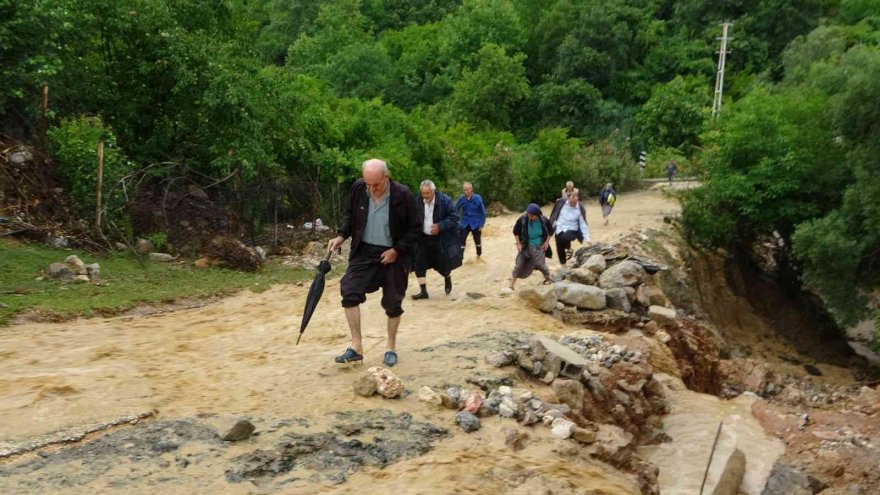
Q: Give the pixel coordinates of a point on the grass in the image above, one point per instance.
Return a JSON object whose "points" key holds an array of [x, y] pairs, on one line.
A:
{"points": [[123, 285]]}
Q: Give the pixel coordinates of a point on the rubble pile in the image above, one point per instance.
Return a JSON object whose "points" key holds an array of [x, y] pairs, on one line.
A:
{"points": [[605, 284]]}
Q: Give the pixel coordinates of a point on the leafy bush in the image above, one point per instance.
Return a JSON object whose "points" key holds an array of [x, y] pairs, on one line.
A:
{"points": [[75, 145]]}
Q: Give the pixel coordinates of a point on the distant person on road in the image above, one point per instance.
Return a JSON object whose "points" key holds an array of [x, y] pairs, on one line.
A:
{"points": [[607, 199], [569, 219], [569, 188], [438, 244], [473, 217], [532, 232], [382, 218], [671, 169]]}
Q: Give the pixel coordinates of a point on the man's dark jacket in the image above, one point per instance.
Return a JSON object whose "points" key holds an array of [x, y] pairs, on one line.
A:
{"points": [[404, 218], [446, 217]]}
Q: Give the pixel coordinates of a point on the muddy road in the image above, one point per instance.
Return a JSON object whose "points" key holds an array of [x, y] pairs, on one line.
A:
{"points": [[186, 372]]}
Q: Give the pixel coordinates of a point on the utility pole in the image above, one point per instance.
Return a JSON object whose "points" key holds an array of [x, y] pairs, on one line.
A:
{"points": [[722, 58]]}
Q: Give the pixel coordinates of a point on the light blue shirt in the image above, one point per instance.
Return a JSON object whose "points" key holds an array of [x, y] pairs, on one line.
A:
{"points": [[377, 231]]}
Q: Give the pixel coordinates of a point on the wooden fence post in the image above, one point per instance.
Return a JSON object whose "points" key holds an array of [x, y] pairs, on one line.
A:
{"points": [[98, 186], [44, 106]]}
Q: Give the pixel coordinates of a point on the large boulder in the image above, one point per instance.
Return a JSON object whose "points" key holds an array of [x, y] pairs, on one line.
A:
{"points": [[617, 299], [582, 296], [583, 276], [624, 274], [595, 263], [542, 297]]}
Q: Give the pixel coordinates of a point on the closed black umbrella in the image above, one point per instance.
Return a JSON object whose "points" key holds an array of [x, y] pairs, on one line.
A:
{"points": [[314, 296]]}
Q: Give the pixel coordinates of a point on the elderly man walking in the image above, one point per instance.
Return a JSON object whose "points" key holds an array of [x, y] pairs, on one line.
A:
{"points": [[569, 219], [473, 217], [438, 243], [532, 231], [383, 221]]}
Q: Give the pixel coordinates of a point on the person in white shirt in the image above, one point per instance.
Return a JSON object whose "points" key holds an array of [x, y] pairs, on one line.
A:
{"points": [[569, 220]]}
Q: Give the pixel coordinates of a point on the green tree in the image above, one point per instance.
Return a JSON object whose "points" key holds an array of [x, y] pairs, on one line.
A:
{"points": [[674, 114], [487, 94]]}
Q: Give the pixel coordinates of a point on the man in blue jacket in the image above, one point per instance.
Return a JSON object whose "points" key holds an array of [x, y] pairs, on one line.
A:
{"points": [[473, 217], [438, 243]]}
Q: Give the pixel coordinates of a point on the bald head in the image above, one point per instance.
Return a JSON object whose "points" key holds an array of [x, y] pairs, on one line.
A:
{"points": [[375, 173]]}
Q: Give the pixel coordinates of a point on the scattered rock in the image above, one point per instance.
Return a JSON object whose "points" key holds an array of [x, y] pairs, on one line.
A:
{"points": [[595, 263], [467, 421], [500, 358], [161, 257], [617, 299], [143, 246], [489, 382], [651, 328], [81, 278], [624, 274], [584, 435], [202, 263], [427, 394], [562, 428], [387, 384], [261, 253], [475, 295], [473, 403], [241, 430], [542, 297], [663, 316], [506, 291], [59, 242], [569, 392], [508, 407], [76, 265], [60, 271], [582, 296], [365, 385], [583, 276], [93, 270]]}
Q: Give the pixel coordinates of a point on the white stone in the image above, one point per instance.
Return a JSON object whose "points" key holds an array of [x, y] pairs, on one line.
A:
{"points": [[562, 428]]}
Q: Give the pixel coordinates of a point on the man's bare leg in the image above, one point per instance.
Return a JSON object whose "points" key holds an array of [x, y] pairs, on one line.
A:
{"points": [[393, 323], [353, 316]]}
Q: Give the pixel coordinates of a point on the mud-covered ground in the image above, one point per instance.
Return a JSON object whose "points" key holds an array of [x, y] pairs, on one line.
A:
{"points": [[141, 399]]}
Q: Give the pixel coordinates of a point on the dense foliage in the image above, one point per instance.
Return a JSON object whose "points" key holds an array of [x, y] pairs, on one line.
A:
{"points": [[516, 96], [798, 160]]}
